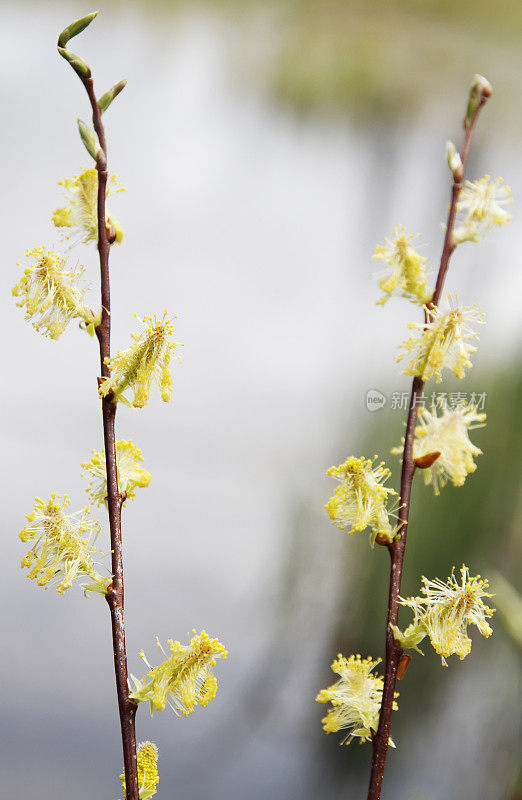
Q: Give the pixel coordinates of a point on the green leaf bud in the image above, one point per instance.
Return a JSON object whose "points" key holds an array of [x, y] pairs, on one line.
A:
{"points": [[78, 64], [480, 88], [454, 162], [107, 98], [89, 139], [75, 28]]}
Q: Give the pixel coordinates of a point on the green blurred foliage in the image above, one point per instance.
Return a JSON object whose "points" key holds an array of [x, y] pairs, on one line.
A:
{"points": [[477, 524], [373, 59], [390, 59]]}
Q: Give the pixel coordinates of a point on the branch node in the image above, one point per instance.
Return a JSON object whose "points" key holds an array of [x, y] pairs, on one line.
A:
{"points": [[101, 161]]}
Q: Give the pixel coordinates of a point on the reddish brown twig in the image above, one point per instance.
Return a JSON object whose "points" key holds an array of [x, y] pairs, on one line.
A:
{"points": [[127, 708], [396, 549]]}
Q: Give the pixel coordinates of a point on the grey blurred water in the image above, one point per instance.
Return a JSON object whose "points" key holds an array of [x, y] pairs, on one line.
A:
{"points": [[257, 230]]}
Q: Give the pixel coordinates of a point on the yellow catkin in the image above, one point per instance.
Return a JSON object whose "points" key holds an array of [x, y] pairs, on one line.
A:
{"points": [[405, 271], [130, 472], [147, 763], [80, 215], [360, 499], [52, 294], [355, 698], [146, 361], [185, 679], [63, 546]]}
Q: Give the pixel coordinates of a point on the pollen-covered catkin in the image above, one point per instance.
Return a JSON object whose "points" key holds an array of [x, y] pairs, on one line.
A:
{"points": [[360, 499], [444, 611], [442, 342], [356, 698], [480, 206], [406, 270], [147, 763], [63, 546], [53, 295], [448, 434], [185, 679], [79, 217], [129, 471], [146, 361]]}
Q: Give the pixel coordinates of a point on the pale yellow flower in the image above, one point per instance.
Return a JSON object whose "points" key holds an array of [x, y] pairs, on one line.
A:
{"points": [[406, 269], [360, 499], [130, 472], [184, 679], [52, 294], [81, 212], [147, 762], [63, 546], [444, 342], [447, 434], [144, 362], [444, 612], [356, 698], [480, 207]]}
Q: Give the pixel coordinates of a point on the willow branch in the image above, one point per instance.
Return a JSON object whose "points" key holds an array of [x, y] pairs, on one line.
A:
{"points": [[397, 548], [126, 707]]}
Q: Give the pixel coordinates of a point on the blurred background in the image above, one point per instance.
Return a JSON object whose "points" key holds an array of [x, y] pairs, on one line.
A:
{"points": [[266, 147]]}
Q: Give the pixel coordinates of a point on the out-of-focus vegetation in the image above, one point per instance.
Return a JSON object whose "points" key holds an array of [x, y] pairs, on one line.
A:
{"points": [[373, 59], [390, 59], [478, 524]]}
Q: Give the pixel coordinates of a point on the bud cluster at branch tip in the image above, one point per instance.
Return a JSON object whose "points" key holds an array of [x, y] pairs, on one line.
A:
{"points": [[480, 90], [79, 66]]}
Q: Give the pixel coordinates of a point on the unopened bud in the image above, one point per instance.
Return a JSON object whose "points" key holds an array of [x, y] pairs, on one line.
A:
{"points": [[107, 98], [78, 64], [426, 461], [75, 28], [89, 139], [454, 162], [480, 88], [110, 231], [403, 666]]}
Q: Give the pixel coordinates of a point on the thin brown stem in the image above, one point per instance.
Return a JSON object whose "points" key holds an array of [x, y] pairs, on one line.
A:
{"points": [[397, 548], [126, 707]]}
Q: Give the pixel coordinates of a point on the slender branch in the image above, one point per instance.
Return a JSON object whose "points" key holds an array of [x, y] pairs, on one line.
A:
{"points": [[396, 549], [127, 708]]}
